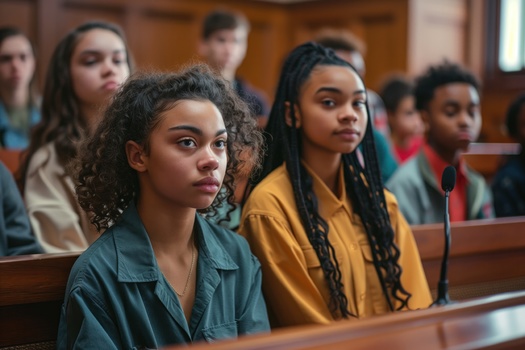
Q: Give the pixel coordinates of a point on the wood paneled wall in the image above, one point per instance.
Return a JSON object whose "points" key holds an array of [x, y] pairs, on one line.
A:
{"points": [[381, 24], [162, 34], [401, 35]]}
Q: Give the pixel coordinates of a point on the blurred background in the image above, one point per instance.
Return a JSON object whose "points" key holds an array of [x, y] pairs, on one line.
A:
{"points": [[401, 36]]}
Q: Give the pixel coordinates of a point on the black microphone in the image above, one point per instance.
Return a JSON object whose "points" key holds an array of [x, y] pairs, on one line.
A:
{"points": [[448, 181]]}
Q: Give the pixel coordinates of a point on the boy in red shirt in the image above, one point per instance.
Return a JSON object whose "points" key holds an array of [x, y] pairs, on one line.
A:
{"points": [[447, 97]]}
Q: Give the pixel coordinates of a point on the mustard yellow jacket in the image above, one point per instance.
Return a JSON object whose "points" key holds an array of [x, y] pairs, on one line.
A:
{"points": [[293, 281]]}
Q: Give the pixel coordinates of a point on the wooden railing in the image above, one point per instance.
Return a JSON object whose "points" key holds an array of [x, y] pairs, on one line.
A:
{"points": [[495, 322], [486, 256], [486, 158], [31, 293], [11, 159]]}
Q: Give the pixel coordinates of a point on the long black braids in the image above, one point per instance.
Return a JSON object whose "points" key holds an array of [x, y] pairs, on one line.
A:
{"points": [[364, 185]]}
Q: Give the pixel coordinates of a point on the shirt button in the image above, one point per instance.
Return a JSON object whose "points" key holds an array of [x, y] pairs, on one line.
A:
{"points": [[362, 297], [353, 246]]}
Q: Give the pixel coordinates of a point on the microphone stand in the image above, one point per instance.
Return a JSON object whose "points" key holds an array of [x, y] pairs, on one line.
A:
{"points": [[442, 298]]}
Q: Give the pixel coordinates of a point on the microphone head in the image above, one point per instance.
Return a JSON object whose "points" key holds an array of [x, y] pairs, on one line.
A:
{"points": [[448, 179]]}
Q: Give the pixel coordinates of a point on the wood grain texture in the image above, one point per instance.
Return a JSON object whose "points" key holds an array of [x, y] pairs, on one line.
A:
{"points": [[486, 323]]}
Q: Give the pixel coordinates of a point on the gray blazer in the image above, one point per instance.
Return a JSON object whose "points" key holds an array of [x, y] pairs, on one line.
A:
{"points": [[421, 199]]}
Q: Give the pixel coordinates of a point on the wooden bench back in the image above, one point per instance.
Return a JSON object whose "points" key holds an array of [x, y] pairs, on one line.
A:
{"points": [[486, 323], [487, 158], [32, 290], [486, 256]]}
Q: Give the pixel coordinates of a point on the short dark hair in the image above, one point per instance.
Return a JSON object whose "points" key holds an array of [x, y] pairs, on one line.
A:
{"points": [[7, 32], [394, 90], [223, 19], [513, 113], [436, 76], [339, 39]]}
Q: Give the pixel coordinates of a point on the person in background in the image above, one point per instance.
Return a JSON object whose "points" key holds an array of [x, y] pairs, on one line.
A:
{"points": [[16, 237], [447, 97], [87, 67], [161, 274], [351, 49], [406, 127], [508, 185], [332, 243], [223, 44], [224, 41], [19, 104]]}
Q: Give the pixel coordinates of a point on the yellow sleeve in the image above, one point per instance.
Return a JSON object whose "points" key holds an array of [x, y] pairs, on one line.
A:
{"points": [[291, 295], [413, 276]]}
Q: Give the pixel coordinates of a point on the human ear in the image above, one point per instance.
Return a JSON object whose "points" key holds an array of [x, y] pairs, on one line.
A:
{"points": [[425, 117], [136, 157], [288, 115]]}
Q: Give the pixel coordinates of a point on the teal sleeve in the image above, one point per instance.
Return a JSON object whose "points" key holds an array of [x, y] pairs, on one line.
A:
{"points": [[16, 236], [255, 317], [387, 162], [85, 317]]}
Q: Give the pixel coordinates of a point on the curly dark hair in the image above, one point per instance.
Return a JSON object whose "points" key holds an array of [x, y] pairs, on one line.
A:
{"points": [[61, 121], [439, 75], [511, 119], [106, 182], [364, 185]]}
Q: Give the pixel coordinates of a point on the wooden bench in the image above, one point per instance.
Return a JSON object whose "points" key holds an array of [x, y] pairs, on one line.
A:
{"points": [[494, 322], [32, 290], [486, 158], [11, 159], [486, 256]]}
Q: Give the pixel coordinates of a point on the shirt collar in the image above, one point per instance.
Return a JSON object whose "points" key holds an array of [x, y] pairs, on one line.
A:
{"points": [[210, 245], [328, 203], [136, 265], [438, 165]]}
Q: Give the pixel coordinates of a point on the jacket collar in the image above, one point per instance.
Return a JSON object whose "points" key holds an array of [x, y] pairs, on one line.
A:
{"points": [[136, 264], [328, 203]]}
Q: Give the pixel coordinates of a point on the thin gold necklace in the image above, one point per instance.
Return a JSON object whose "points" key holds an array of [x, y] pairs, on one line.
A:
{"points": [[189, 274]]}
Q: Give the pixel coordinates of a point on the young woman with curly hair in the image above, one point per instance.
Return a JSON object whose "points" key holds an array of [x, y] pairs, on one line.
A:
{"points": [[161, 273]]}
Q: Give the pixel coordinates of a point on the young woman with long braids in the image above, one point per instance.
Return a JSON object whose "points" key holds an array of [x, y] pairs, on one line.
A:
{"points": [[332, 243]]}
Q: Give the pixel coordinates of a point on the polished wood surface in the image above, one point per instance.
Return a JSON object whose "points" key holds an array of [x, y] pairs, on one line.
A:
{"points": [[31, 292], [494, 322], [487, 158], [486, 256], [11, 159]]}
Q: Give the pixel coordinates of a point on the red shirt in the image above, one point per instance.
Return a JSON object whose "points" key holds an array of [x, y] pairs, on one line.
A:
{"points": [[411, 150], [458, 196]]}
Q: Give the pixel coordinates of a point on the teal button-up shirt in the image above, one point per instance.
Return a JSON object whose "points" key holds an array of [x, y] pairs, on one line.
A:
{"points": [[117, 297]]}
